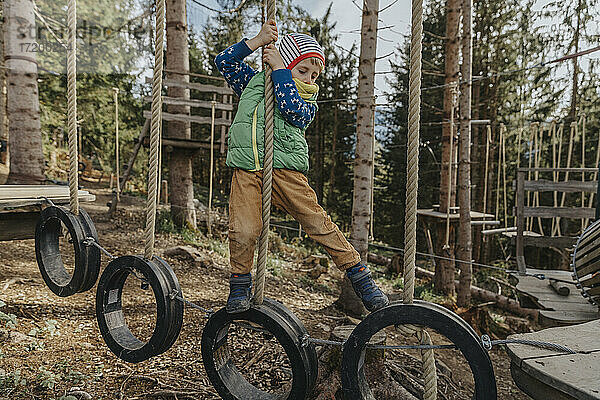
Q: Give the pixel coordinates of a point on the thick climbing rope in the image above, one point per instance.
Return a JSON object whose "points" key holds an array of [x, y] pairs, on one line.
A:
{"points": [[72, 106], [155, 130], [263, 242], [412, 186]]}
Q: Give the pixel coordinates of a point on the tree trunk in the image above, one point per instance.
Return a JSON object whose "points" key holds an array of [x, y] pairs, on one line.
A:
{"points": [[23, 106], [363, 163], [575, 87], [3, 120], [181, 186], [444, 274], [465, 241]]}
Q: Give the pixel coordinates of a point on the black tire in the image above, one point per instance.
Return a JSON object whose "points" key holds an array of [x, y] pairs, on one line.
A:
{"points": [[354, 383], [93, 255], [109, 313], [225, 377], [176, 306], [47, 251]]}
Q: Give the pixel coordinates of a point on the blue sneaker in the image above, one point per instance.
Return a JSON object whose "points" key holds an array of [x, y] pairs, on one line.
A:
{"points": [[366, 288], [240, 293]]}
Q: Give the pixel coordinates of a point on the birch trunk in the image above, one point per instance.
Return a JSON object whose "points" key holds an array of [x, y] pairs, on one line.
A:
{"points": [[363, 163], [181, 188], [3, 125], [444, 271], [22, 101], [465, 242]]}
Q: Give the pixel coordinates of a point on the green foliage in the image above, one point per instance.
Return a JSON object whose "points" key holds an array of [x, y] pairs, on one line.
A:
{"points": [[9, 380]]}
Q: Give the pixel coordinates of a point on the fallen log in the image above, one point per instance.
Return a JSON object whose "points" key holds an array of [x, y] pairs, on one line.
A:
{"points": [[500, 301]]}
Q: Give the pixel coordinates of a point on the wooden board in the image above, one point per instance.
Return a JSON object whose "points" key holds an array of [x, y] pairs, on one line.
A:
{"points": [[192, 103], [18, 226], [453, 216], [189, 118], [14, 197], [557, 309], [549, 374], [563, 212], [544, 185]]}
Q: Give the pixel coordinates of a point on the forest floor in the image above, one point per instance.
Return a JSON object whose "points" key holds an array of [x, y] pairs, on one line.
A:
{"points": [[51, 346]]}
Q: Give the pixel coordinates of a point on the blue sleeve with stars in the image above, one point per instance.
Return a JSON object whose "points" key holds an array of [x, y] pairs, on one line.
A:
{"points": [[230, 63], [294, 109]]}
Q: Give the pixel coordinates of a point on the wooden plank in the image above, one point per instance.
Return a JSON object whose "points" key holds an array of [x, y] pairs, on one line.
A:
{"points": [[192, 103], [453, 216], [590, 235], [562, 212], [575, 375], [561, 242], [558, 169], [582, 337], [543, 185], [553, 318], [195, 86], [18, 226], [594, 280], [498, 230], [189, 118], [533, 387], [6, 205], [595, 291]]}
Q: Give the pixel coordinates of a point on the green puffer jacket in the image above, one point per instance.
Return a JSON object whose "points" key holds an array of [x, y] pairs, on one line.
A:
{"points": [[246, 134]]}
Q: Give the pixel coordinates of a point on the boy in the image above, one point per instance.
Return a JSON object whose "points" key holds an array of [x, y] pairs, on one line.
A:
{"points": [[296, 65]]}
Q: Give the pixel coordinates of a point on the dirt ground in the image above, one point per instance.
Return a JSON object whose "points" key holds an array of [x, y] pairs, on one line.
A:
{"points": [[51, 346]]}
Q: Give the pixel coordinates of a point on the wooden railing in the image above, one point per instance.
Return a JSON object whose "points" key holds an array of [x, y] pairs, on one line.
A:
{"points": [[523, 212]]}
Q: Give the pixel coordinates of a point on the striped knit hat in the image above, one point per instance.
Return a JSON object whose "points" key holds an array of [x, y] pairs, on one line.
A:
{"points": [[295, 47]]}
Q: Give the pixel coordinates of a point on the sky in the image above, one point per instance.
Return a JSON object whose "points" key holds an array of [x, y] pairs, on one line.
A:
{"points": [[347, 13]]}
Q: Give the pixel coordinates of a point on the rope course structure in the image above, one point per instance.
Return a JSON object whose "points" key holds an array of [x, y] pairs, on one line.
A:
{"points": [[267, 316], [53, 219]]}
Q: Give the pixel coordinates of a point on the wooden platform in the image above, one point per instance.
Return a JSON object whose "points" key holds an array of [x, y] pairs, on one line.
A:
{"points": [[20, 206], [556, 310], [552, 375]]}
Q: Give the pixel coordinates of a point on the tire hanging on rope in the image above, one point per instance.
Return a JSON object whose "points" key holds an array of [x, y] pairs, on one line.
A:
{"points": [[274, 318], [55, 220], [411, 318], [153, 272]]}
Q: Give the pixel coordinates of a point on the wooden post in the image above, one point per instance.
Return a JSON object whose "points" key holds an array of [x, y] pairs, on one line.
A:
{"points": [[165, 191], [520, 200], [210, 177], [465, 241], [117, 160]]}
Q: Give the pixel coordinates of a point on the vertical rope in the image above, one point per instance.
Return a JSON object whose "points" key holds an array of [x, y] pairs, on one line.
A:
{"points": [[488, 140], [72, 106], [155, 129], [572, 136], [263, 243], [556, 230], [538, 158], [210, 179], [583, 221], [450, 163], [117, 160], [505, 206], [412, 159], [530, 165]]}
